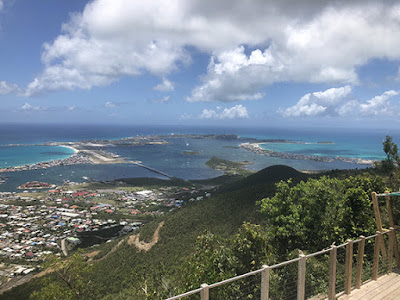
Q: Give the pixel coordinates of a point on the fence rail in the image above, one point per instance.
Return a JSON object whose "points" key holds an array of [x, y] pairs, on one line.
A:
{"points": [[382, 261]]}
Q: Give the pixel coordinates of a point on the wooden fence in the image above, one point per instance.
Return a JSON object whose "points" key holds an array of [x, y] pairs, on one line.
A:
{"points": [[381, 257]]}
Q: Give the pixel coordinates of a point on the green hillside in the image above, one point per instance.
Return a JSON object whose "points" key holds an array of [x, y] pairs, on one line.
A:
{"points": [[222, 214], [121, 271]]}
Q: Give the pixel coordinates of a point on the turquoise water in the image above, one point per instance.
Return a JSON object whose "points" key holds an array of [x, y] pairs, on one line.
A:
{"points": [[330, 150], [170, 158], [11, 156]]}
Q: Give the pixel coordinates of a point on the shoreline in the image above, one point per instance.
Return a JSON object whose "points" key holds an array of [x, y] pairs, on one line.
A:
{"points": [[41, 164], [91, 152], [257, 149]]}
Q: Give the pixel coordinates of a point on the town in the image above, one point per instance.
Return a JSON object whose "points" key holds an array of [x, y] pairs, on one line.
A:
{"points": [[36, 223]]}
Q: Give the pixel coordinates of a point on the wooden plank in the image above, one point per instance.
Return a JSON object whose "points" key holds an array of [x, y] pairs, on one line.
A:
{"points": [[332, 273], [390, 250], [205, 292], [391, 223], [375, 263], [372, 288], [378, 222], [360, 261], [265, 283], [301, 278], [385, 284], [348, 267], [376, 211], [389, 290], [395, 295]]}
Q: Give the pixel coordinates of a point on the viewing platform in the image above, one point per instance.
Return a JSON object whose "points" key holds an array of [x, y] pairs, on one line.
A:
{"points": [[367, 268], [386, 287]]}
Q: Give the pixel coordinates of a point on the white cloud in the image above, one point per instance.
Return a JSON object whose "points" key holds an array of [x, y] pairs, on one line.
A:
{"points": [[235, 112], [163, 100], [8, 88], [27, 107], [186, 116], [379, 104], [335, 102], [313, 48], [1, 5], [318, 103], [312, 41], [110, 104], [165, 86]]}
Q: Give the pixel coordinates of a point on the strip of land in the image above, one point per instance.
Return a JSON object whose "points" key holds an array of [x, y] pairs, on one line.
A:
{"points": [[256, 148]]}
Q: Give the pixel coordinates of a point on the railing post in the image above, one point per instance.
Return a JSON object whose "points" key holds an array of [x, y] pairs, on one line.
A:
{"points": [[375, 263], [378, 222], [301, 278], [390, 250], [391, 224], [332, 273], [265, 283], [360, 261], [204, 293], [349, 267]]}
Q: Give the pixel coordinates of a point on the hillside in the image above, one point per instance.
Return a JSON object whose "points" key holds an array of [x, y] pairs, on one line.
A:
{"points": [[221, 214]]}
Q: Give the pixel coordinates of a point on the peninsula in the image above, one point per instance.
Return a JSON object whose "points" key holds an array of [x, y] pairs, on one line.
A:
{"points": [[256, 148]]}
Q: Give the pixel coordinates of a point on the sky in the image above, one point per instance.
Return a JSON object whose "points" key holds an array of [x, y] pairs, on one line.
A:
{"points": [[308, 63]]}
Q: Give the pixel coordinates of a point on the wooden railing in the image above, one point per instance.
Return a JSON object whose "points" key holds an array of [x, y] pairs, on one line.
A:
{"points": [[380, 256]]}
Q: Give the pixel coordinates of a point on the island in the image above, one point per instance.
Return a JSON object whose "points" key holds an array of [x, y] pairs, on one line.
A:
{"points": [[229, 167], [187, 152]]}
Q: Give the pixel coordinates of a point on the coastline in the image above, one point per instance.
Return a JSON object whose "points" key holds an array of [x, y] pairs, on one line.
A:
{"points": [[70, 147], [91, 151], [257, 149], [43, 163]]}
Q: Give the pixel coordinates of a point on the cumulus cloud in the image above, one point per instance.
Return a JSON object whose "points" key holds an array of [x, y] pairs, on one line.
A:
{"points": [[336, 102], [318, 49], [379, 104], [235, 112], [318, 103], [9, 88], [252, 45], [165, 86]]}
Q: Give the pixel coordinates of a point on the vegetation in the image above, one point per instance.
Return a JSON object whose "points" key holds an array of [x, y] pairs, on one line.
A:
{"points": [[229, 167], [70, 278], [264, 218], [317, 212], [187, 152]]}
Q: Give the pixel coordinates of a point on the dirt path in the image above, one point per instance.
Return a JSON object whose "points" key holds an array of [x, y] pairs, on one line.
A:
{"points": [[93, 254], [133, 240]]}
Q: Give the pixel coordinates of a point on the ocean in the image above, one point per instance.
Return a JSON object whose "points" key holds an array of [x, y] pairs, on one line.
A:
{"points": [[170, 158]]}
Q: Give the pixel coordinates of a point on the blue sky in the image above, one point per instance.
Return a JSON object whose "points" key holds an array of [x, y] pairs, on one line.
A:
{"points": [[194, 62]]}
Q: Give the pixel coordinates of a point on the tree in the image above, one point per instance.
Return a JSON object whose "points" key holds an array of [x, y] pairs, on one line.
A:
{"points": [[216, 259], [313, 214], [391, 163], [72, 278]]}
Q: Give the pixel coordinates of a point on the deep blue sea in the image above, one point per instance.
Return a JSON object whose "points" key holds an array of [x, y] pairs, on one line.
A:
{"points": [[169, 158]]}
